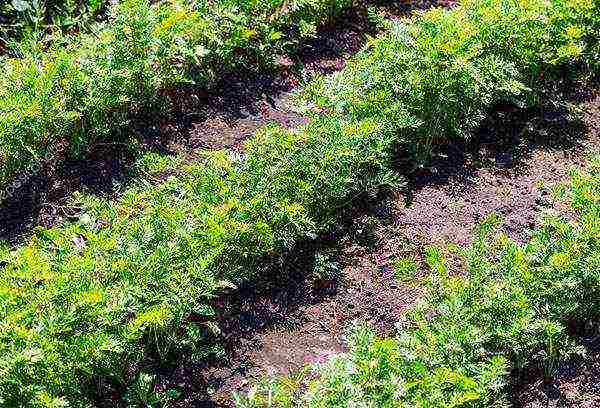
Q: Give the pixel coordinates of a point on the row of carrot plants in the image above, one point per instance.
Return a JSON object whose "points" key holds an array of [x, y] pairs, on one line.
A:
{"points": [[74, 90]]}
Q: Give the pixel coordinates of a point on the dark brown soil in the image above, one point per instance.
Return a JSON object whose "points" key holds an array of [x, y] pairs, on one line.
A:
{"points": [[42, 199], [508, 177], [576, 384]]}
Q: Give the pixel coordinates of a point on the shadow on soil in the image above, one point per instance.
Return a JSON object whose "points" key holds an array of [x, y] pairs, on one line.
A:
{"points": [[41, 199], [505, 142], [574, 383]]}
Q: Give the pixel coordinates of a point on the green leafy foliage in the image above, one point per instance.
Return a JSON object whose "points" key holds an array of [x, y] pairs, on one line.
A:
{"points": [[92, 298], [405, 268], [72, 91], [19, 18], [435, 80], [507, 311]]}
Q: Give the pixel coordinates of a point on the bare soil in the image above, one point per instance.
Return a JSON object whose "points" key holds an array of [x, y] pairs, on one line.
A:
{"points": [[576, 385]]}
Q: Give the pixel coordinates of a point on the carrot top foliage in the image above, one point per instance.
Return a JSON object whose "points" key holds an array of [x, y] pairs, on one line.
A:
{"points": [[74, 90], [20, 18]]}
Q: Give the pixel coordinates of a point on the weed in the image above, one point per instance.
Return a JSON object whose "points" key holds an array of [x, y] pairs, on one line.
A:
{"points": [[405, 268]]}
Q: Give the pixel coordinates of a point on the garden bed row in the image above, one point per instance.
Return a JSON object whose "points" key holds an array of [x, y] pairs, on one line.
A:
{"points": [[60, 94]]}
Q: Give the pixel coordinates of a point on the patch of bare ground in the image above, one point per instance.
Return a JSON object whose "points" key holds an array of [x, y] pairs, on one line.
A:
{"points": [[576, 384], [509, 171], [303, 317]]}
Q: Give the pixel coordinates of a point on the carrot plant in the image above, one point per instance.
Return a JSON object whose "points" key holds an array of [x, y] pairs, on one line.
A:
{"points": [[19, 18], [436, 80]]}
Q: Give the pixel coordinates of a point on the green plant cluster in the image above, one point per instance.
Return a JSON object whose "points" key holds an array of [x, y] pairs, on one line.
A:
{"points": [[20, 18], [134, 277], [436, 80], [507, 310], [91, 299], [68, 92]]}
